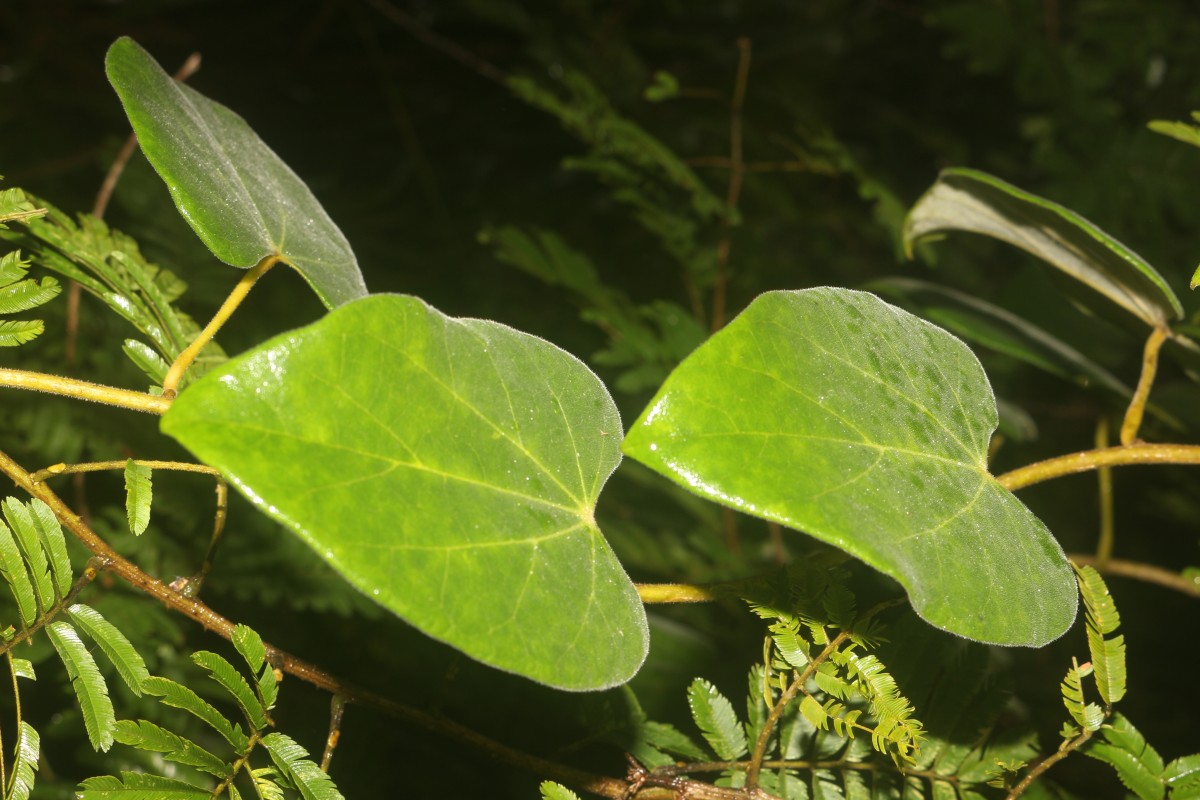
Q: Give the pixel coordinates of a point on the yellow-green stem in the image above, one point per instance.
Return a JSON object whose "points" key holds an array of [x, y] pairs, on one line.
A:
{"points": [[235, 298], [1104, 546], [82, 390], [675, 593], [1137, 406], [100, 466], [1095, 459]]}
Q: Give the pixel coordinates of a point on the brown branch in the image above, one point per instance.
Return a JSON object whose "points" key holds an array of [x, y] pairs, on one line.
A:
{"points": [[1141, 572], [736, 173], [444, 46], [282, 660], [1046, 763]]}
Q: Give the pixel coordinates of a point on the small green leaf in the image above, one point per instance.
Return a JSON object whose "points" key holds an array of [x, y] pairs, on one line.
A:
{"points": [[249, 644], [239, 197], [835, 414], [1183, 131], [147, 360], [24, 295], [227, 675], [556, 791], [12, 569], [715, 717], [292, 760], [17, 332], [23, 668], [1088, 715], [670, 739], [1138, 765], [28, 753], [139, 786], [1182, 776], [447, 468], [90, 689], [116, 647], [178, 696], [146, 735], [139, 492], [29, 537], [973, 201], [55, 545]]}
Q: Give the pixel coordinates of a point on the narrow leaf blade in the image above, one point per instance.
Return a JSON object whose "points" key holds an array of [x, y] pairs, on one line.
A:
{"points": [[239, 197], [139, 493], [116, 647], [178, 696], [90, 689], [55, 545], [139, 786], [835, 414], [227, 675], [973, 201], [145, 735]]}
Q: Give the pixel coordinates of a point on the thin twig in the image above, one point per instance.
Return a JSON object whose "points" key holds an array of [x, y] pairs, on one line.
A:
{"points": [[282, 660], [1137, 405], [441, 44], [101, 466], [1142, 572], [736, 172], [337, 707], [1047, 763], [1104, 545]]}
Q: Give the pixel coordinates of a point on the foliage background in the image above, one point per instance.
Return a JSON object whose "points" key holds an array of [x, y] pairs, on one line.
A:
{"points": [[415, 154]]}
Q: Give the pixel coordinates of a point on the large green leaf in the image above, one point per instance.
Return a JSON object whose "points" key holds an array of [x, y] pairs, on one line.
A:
{"points": [[831, 412], [973, 201], [448, 468], [239, 197]]}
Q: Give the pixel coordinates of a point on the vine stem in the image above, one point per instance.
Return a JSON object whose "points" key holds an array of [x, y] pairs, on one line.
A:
{"points": [[1140, 571], [83, 390], [677, 593], [102, 466], [1123, 455], [736, 173], [1137, 405], [1104, 545], [110, 560], [1047, 763], [235, 298]]}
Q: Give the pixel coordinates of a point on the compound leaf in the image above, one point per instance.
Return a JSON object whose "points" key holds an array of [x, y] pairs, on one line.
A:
{"points": [[447, 468], [556, 791], [90, 689], [716, 719], [179, 696], [833, 413], [55, 544], [12, 570], [292, 760], [239, 197], [28, 751], [145, 735], [1138, 765], [116, 647], [21, 521], [973, 201], [227, 675], [139, 786], [139, 492]]}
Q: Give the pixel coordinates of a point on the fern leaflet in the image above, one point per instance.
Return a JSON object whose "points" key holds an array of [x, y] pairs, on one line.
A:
{"points": [[139, 786], [178, 696], [116, 647], [227, 676], [28, 752], [716, 719], [292, 760], [146, 735], [18, 294], [139, 492], [98, 716]]}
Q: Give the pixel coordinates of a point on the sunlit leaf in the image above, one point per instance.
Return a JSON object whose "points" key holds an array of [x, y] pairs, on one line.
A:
{"points": [[28, 752], [973, 201], [139, 493], [292, 760], [1138, 765], [227, 675], [146, 735], [448, 468], [239, 197], [116, 647], [833, 413], [139, 786], [90, 689], [715, 717], [178, 696]]}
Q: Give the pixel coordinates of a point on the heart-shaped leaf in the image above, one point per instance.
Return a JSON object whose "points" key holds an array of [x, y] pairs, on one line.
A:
{"points": [[447, 468], [973, 201], [239, 197], [831, 412]]}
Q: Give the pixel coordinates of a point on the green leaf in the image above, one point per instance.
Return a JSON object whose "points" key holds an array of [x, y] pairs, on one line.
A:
{"points": [[116, 647], [146, 735], [55, 545], [88, 683], [250, 645], [1108, 655], [715, 717], [227, 675], [28, 752], [447, 468], [12, 570], [19, 331], [21, 521], [138, 786], [1183, 131], [998, 329], [1182, 776], [556, 791], [833, 413], [23, 668], [239, 197], [147, 360], [1088, 715], [1138, 765], [139, 492], [292, 760], [973, 201], [178, 696]]}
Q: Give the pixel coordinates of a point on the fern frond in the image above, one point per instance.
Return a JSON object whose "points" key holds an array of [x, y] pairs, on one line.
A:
{"points": [[28, 751], [116, 647], [178, 696], [139, 786], [13, 572], [139, 493], [1138, 765], [145, 735], [556, 791], [90, 689], [228, 677], [292, 760], [715, 717], [21, 521], [54, 543]]}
